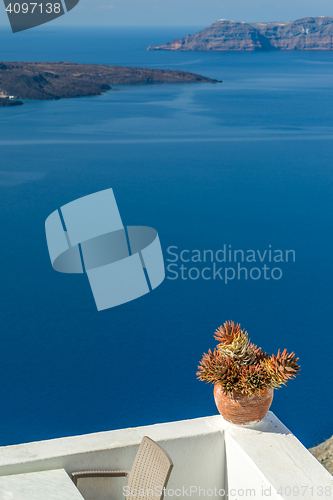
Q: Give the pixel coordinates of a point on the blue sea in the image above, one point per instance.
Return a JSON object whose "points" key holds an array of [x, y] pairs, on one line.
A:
{"points": [[241, 165]]}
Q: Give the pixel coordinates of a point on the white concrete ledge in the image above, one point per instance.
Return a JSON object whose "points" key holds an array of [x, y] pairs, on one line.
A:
{"points": [[44, 485], [14, 459], [269, 461], [208, 453]]}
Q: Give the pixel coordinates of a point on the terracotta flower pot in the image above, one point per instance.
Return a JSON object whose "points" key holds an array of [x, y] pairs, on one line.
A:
{"points": [[241, 409]]}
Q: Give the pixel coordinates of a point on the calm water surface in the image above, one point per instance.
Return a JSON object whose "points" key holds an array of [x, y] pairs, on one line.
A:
{"points": [[246, 163]]}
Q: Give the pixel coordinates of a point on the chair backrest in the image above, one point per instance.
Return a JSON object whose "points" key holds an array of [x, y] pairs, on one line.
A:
{"points": [[150, 472]]}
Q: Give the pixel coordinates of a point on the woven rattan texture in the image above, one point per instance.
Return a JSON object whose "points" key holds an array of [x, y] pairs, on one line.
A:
{"points": [[150, 472]]}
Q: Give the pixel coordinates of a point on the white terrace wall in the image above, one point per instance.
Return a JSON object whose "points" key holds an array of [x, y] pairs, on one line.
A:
{"points": [[267, 462], [195, 446], [210, 455]]}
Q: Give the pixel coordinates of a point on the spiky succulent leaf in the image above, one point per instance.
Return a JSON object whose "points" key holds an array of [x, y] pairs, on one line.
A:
{"points": [[281, 367], [239, 349], [259, 353], [217, 370], [238, 365], [226, 333], [253, 379]]}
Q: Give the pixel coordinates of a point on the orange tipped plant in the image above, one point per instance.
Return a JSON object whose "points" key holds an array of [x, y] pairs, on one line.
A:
{"points": [[239, 366]]}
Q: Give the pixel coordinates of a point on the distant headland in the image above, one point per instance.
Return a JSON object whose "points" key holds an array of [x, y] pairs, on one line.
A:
{"points": [[42, 80], [310, 33]]}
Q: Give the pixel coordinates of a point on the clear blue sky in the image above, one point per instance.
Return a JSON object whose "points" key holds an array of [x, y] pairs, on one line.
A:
{"points": [[186, 12]]}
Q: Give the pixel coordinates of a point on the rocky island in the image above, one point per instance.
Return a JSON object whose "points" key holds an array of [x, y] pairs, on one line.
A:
{"points": [[310, 33], [9, 102], [42, 80]]}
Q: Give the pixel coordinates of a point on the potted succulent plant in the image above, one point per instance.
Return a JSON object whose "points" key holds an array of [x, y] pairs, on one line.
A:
{"points": [[243, 375]]}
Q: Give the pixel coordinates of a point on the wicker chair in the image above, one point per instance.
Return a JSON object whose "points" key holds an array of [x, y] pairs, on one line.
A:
{"points": [[150, 472]]}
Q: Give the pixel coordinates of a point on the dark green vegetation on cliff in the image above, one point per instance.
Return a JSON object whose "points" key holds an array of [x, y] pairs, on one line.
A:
{"points": [[310, 33], [57, 80]]}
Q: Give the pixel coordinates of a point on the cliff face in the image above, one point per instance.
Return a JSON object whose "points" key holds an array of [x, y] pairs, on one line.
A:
{"points": [[310, 33], [324, 453], [57, 80]]}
